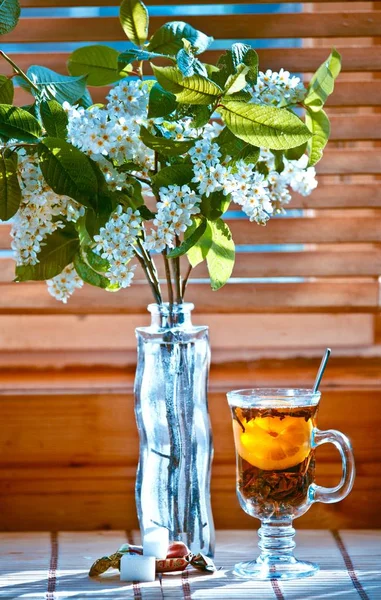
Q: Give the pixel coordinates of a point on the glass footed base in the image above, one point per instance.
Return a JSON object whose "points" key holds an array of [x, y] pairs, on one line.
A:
{"points": [[291, 568]]}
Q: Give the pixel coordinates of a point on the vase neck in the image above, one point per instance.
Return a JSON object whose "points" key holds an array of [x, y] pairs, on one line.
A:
{"points": [[167, 316]]}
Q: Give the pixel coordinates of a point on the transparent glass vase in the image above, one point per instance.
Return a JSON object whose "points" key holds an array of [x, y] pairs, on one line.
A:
{"points": [[171, 408]]}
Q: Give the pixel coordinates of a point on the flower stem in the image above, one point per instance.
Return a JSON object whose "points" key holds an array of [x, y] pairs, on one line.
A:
{"points": [[19, 71], [154, 284], [185, 280], [150, 264], [169, 279], [177, 275]]}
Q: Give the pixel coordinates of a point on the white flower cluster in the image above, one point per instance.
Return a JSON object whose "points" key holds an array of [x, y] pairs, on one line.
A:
{"points": [[39, 212], [295, 175], [116, 241], [247, 187], [113, 131], [278, 89], [175, 210], [63, 285], [183, 130]]}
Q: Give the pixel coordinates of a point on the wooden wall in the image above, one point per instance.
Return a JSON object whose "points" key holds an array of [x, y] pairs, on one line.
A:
{"points": [[68, 438]]}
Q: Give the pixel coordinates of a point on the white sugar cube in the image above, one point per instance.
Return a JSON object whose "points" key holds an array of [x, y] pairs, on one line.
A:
{"points": [[135, 567], [156, 542]]}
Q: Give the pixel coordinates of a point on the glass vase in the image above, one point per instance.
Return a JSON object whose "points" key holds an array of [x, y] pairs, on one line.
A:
{"points": [[171, 408]]}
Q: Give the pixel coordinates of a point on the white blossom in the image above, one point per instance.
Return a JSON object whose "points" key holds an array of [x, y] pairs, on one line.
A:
{"points": [[115, 242], [175, 210], [113, 131], [39, 212], [64, 285], [278, 89]]}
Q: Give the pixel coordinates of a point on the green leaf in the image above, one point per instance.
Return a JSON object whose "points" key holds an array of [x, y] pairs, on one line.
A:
{"points": [[173, 175], [9, 15], [236, 148], [249, 154], [278, 163], [221, 255], [235, 83], [188, 64], [164, 146], [6, 90], [215, 206], [189, 242], [68, 171], [88, 275], [335, 63], [199, 251], [96, 262], [201, 115], [264, 126], [10, 193], [86, 100], [242, 54], [228, 63], [134, 19], [251, 61], [229, 144], [97, 219], [19, 124], [323, 82], [296, 153], [62, 88], [58, 252], [145, 213], [33, 109], [54, 118], [188, 90], [319, 125], [161, 102], [168, 39], [99, 63], [138, 54]]}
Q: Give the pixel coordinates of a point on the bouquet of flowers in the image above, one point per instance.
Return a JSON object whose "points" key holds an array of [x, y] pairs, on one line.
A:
{"points": [[94, 189]]}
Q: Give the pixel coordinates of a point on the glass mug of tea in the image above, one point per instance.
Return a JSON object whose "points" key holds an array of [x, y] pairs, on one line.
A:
{"points": [[275, 437]]}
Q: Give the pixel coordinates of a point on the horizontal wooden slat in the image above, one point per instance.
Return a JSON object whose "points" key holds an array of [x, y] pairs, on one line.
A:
{"points": [[341, 195], [299, 25], [345, 373], [300, 60], [336, 295], [340, 262], [80, 430], [102, 332], [328, 229], [116, 510], [348, 127], [113, 508], [305, 230]]}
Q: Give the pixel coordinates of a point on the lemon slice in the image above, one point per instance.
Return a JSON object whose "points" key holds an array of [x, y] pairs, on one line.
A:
{"points": [[272, 443]]}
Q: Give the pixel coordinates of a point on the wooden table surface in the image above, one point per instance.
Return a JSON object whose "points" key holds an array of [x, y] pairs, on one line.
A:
{"points": [[50, 566]]}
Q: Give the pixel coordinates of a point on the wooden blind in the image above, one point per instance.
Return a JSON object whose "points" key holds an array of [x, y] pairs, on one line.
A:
{"points": [[326, 258], [305, 281]]}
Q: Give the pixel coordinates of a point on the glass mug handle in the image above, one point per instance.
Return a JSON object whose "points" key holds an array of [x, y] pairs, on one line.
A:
{"points": [[342, 443]]}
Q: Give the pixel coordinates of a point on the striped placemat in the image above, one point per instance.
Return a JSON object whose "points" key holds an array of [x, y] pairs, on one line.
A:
{"points": [[54, 566]]}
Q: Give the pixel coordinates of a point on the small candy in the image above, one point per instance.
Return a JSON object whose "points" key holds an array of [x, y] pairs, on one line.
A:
{"points": [[135, 567], [177, 550], [167, 565]]}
